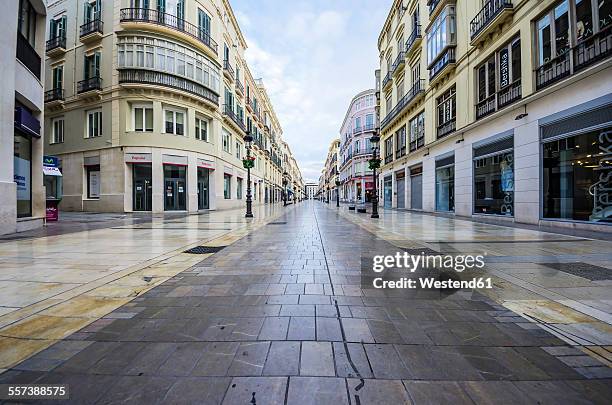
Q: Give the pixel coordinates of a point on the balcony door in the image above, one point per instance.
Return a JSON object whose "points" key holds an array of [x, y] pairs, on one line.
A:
{"points": [[92, 10]]}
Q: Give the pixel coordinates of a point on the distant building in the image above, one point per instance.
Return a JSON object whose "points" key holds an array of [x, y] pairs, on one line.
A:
{"points": [[311, 190]]}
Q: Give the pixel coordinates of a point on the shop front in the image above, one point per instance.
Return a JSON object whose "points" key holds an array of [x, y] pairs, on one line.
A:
{"points": [[445, 183], [388, 191], [204, 169], [494, 177], [416, 187], [142, 180], [400, 188], [175, 183]]}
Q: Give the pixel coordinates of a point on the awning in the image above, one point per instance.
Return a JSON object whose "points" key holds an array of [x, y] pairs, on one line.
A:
{"points": [[51, 171]]}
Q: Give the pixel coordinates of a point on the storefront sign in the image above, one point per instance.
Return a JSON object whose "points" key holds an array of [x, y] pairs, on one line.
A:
{"points": [[52, 213], [602, 189], [207, 164], [504, 68], [138, 158], [50, 161], [174, 160]]}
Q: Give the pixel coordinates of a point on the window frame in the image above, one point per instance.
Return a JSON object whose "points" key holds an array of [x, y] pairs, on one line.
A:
{"points": [[175, 112], [55, 139], [89, 131], [144, 107]]}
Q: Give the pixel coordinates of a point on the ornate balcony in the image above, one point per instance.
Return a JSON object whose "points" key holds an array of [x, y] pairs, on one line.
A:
{"points": [[553, 71], [91, 84], [56, 46], [91, 30], [143, 76], [239, 88], [399, 63], [417, 90], [491, 16], [446, 128], [229, 113], [417, 143], [387, 80], [444, 63], [509, 94], [413, 40], [142, 15], [228, 71], [54, 96], [27, 55]]}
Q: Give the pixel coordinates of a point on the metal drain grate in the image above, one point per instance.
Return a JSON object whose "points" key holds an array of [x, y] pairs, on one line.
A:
{"points": [[425, 251], [581, 269], [202, 250], [278, 223]]}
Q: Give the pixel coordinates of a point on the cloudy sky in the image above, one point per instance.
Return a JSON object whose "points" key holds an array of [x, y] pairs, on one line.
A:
{"points": [[314, 56]]}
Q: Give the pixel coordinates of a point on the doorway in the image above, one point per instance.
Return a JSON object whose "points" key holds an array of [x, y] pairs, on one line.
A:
{"points": [[416, 188], [203, 187], [400, 184], [388, 187], [142, 187], [175, 188]]}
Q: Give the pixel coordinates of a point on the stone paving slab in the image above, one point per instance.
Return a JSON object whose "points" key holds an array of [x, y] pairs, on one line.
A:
{"points": [[280, 317]]}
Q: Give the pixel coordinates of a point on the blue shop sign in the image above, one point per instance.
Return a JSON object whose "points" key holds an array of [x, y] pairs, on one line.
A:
{"points": [[50, 161]]}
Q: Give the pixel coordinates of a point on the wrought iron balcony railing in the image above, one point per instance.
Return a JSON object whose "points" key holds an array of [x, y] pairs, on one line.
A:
{"points": [[227, 67], [239, 86], [28, 55], [499, 100], [229, 111], [171, 21], [54, 95], [387, 78], [93, 83], [447, 58], [143, 76], [489, 11], [418, 142], [446, 128], [55, 43], [91, 27], [399, 62], [412, 39], [587, 52], [417, 88]]}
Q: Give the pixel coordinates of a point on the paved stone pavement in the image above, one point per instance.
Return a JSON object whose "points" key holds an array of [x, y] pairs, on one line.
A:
{"points": [[280, 317]]}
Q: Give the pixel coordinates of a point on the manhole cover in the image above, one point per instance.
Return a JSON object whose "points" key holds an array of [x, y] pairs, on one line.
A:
{"points": [[278, 223], [202, 250], [581, 269]]}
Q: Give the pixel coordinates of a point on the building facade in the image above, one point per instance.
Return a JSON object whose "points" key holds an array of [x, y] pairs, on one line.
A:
{"points": [[311, 190], [355, 149], [498, 110], [22, 199], [331, 173], [147, 106]]}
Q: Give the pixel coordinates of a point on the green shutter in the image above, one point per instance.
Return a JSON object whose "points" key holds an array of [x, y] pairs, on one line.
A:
{"points": [[97, 64], [52, 28], [63, 21], [86, 68]]}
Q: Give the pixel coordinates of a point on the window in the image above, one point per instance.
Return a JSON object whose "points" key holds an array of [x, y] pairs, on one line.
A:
{"points": [[94, 124], [203, 25], [447, 110], [201, 129], [239, 188], [486, 79], [227, 140], [92, 65], [168, 57], [441, 34], [400, 88], [58, 77], [92, 10], [400, 142], [358, 123], [388, 149], [238, 150], [552, 32], [26, 25], [175, 122], [388, 105], [93, 181], [494, 184], [143, 118], [576, 177], [369, 121], [57, 27], [417, 131], [57, 135], [416, 73], [227, 186]]}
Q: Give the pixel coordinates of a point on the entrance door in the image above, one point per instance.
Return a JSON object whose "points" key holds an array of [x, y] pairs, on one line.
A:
{"points": [[401, 197], [142, 186], [175, 190], [416, 192], [388, 192], [203, 179]]}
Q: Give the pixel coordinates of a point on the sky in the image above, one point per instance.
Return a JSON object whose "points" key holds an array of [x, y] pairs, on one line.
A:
{"points": [[313, 57]]}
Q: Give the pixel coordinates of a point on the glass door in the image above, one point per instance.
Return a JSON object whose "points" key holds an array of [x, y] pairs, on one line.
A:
{"points": [[203, 181], [175, 190], [142, 187]]}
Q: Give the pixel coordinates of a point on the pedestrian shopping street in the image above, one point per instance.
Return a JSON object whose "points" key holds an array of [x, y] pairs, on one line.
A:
{"points": [[275, 312]]}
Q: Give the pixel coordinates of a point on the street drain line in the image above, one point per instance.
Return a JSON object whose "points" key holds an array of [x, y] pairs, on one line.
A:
{"points": [[344, 342]]}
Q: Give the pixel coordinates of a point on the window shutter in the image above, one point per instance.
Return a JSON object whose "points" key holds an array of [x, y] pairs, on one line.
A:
{"points": [[161, 6], [98, 11], [86, 67], [63, 26], [52, 28], [97, 64]]}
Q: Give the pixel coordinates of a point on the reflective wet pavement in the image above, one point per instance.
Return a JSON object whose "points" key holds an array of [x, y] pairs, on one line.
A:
{"points": [[279, 316]]}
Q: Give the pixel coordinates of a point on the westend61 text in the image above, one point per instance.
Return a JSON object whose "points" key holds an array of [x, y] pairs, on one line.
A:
{"points": [[432, 283]]}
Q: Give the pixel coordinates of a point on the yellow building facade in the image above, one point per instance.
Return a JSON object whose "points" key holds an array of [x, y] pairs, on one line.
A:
{"points": [[498, 109], [147, 106]]}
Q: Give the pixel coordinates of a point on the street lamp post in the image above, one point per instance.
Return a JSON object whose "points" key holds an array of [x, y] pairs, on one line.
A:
{"points": [[285, 189], [338, 193], [375, 164], [248, 163]]}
